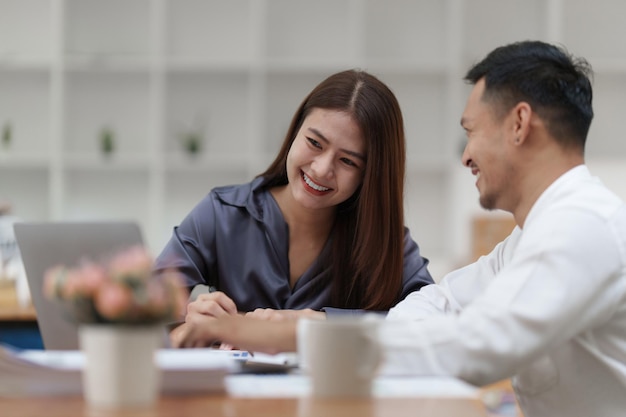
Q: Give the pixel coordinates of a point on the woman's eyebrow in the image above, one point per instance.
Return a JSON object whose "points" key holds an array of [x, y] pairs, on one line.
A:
{"points": [[349, 152]]}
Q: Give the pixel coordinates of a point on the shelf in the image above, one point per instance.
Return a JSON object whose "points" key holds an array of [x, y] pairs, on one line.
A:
{"points": [[609, 101], [12, 160], [326, 65], [13, 62], [119, 102], [110, 195], [92, 161], [606, 23], [426, 203], [422, 104], [207, 65], [25, 29], [215, 107], [285, 92], [102, 63], [210, 29], [405, 33], [516, 21], [311, 31], [205, 163], [418, 164], [616, 66], [115, 27], [234, 72], [25, 111], [27, 190]]}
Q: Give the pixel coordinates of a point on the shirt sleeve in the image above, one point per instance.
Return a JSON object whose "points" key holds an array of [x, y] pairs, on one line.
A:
{"points": [[458, 288], [518, 305], [191, 248]]}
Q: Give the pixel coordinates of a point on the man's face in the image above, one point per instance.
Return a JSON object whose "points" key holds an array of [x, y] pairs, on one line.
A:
{"points": [[486, 152]]}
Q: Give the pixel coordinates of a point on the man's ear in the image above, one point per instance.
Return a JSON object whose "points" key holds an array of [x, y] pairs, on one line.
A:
{"points": [[521, 116]]}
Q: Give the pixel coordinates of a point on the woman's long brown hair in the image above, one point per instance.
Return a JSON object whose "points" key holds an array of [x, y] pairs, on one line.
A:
{"points": [[367, 253]]}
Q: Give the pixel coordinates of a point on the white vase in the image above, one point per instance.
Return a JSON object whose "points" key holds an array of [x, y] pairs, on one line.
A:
{"points": [[120, 368]]}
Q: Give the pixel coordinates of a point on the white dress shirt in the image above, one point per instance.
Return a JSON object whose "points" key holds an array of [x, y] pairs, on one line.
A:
{"points": [[547, 307]]}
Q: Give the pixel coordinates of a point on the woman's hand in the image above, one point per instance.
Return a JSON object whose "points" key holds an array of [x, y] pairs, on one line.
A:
{"points": [[200, 312], [214, 304], [210, 315], [192, 334], [245, 332], [280, 315]]}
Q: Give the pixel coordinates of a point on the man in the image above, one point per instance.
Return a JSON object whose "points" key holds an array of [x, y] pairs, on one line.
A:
{"points": [[547, 306]]}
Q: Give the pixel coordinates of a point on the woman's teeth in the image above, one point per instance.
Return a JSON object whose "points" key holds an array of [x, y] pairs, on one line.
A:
{"points": [[311, 184]]}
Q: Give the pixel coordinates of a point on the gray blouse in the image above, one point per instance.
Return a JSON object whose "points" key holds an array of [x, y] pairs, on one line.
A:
{"points": [[236, 240]]}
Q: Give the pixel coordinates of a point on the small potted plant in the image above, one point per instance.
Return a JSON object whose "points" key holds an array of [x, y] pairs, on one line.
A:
{"points": [[192, 136], [192, 142], [107, 140], [121, 308], [7, 135]]}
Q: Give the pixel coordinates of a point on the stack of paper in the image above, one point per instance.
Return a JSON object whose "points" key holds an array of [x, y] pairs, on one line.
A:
{"points": [[50, 372]]}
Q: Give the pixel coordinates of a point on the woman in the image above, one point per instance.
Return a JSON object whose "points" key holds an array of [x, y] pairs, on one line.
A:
{"points": [[321, 231]]}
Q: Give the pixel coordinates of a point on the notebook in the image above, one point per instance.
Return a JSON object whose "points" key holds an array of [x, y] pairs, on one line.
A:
{"points": [[45, 244]]}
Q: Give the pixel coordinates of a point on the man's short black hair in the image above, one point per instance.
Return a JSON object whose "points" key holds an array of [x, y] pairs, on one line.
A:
{"points": [[555, 84]]}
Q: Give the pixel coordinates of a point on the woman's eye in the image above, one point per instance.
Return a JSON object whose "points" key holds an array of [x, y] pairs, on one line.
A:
{"points": [[314, 142], [349, 162]]}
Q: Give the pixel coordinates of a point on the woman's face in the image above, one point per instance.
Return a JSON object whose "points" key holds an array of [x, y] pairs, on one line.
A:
{"points": [[326, 162]]}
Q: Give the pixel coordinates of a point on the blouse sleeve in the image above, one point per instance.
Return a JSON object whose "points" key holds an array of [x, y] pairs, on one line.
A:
{"points": [[416, 274], [191, 248]]}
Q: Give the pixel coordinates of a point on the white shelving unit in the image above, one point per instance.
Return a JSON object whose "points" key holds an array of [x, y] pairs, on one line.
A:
{"points": [[234, 71]]}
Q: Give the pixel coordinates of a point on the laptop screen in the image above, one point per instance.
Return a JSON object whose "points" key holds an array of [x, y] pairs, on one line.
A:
{"points": [[46, 244]]}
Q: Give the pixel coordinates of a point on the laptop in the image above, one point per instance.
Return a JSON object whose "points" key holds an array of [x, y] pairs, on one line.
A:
{"points": [[46, 244]]}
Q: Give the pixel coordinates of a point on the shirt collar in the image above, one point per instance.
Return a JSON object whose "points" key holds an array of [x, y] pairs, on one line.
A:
{"points": [[251, 196], [576, 174]]}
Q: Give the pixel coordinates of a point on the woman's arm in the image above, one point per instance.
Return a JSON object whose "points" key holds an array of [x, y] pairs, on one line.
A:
{"points": [[244, 332]]}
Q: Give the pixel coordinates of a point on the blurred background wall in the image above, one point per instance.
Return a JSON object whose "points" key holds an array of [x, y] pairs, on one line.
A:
{"points": [[134, 109]]}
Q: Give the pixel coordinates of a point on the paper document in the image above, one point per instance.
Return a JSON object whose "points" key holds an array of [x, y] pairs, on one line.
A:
{"points": [[299, 385], [58, 372]]}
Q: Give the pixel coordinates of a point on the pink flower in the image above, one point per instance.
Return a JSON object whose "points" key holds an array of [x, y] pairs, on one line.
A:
{"points": [[122, 290], [72, 285], [113, 300], [135, 262], [91, 277]]}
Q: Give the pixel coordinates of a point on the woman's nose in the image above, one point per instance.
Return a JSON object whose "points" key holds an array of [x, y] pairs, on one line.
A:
{"points": [[323, 166]]}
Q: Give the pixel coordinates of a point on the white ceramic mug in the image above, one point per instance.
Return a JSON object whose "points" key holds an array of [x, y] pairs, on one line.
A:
{"points": [[341, 355]]}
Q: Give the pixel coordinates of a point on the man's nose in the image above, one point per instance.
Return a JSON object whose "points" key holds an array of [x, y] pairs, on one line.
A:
{"points": [[465, 158]]}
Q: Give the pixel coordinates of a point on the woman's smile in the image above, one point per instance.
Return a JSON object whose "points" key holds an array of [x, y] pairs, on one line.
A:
{"points": [[313, 185]]}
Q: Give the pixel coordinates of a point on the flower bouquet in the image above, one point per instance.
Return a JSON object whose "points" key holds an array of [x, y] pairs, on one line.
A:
{"points": [[121, 290], [121, 308]]}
